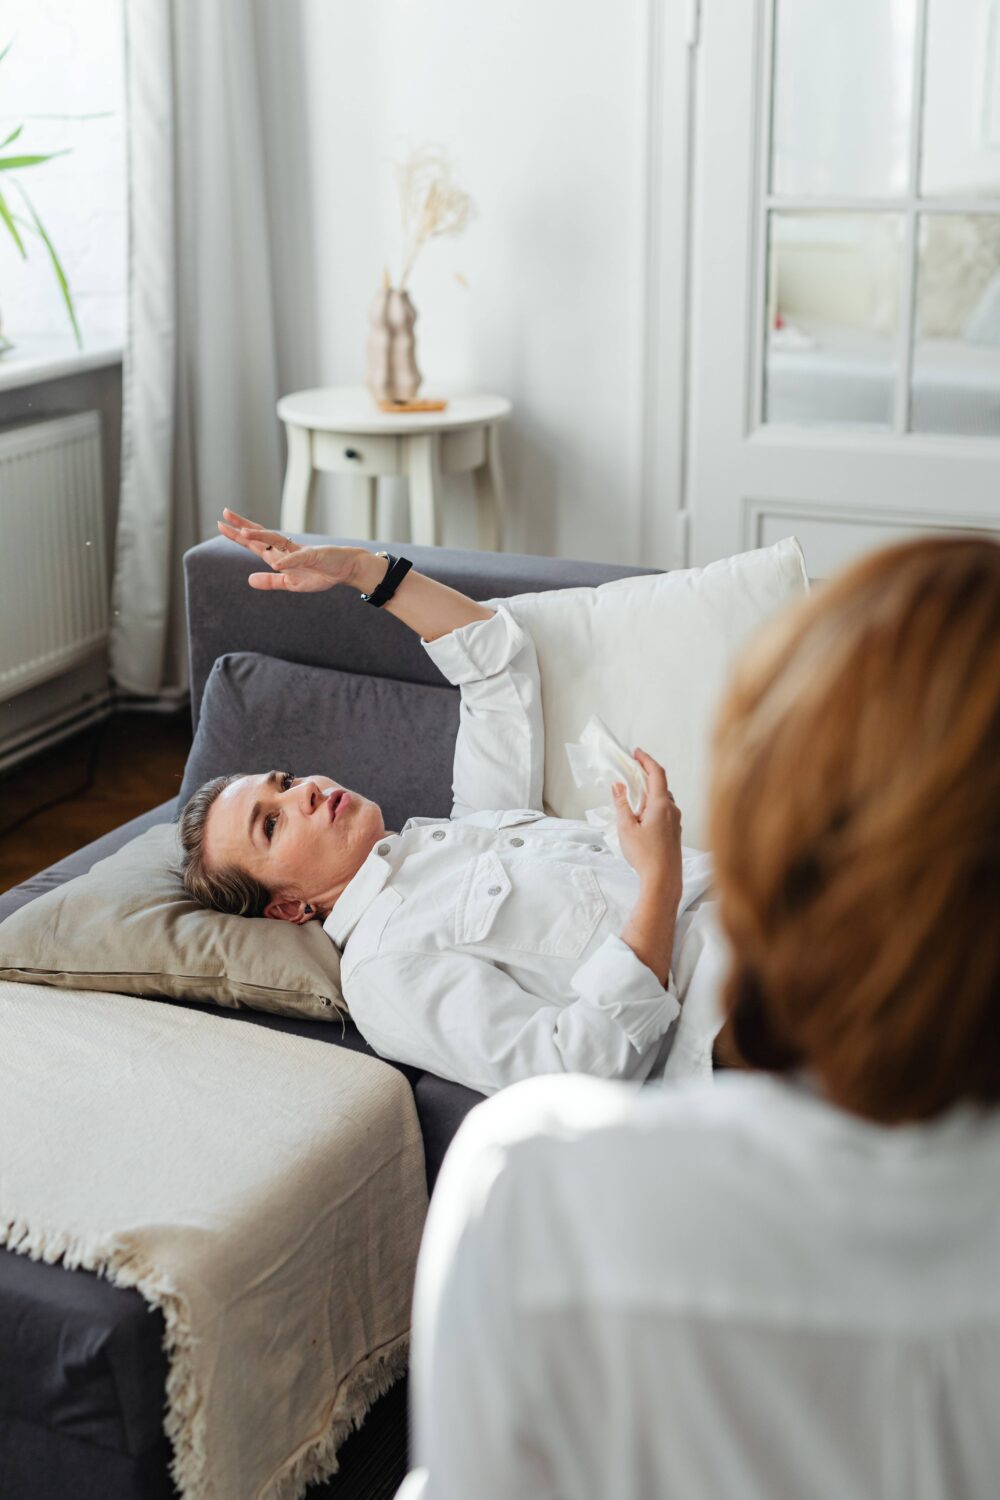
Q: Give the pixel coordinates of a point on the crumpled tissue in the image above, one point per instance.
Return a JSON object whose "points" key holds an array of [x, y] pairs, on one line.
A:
{"points": [[599, 759]]}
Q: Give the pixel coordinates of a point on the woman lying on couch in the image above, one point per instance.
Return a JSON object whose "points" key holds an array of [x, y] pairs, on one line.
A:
{"points": [[501, 943], [785, 1285]]}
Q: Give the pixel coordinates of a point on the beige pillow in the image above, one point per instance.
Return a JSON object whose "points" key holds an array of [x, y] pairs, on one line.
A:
{"points": [[129, 926]]}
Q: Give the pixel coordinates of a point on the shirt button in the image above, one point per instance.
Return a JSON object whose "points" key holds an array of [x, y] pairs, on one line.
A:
{"points": [[494, 890], [383, 848], [517, 843], [438, 833]]}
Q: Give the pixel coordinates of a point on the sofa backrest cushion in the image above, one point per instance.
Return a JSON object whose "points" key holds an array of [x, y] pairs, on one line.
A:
{"points": [[391, 741]]}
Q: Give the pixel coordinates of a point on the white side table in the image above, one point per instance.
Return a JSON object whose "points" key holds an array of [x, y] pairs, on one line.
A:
{"points": [[340, 430]]}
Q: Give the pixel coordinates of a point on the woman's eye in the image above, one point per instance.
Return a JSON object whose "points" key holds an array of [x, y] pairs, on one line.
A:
{"points": [[269, 822]]}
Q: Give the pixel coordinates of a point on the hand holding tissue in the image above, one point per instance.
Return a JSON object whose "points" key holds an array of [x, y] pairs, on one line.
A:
{"points": [[599, 760]]}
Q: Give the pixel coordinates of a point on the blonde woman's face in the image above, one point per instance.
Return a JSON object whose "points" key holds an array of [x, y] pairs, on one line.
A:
{"points": [[304, 837]]}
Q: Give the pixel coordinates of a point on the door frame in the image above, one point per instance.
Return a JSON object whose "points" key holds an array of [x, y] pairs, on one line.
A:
{"points": [[738, 467]]}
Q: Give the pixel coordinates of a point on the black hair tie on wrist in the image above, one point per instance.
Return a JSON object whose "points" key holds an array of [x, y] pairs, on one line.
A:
{"points": [[397, 569]]}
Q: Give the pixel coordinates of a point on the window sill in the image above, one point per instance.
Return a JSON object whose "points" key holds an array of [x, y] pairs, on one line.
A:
{"points": [[34, 360]]}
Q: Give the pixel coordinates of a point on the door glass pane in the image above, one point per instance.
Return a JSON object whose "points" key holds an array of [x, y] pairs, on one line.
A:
{"points": [[956, 353], [833, 311], [843, 85], [961, 134]]}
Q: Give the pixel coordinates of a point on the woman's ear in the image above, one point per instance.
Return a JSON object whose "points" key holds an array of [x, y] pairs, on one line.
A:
{"points": [[288, 909]]}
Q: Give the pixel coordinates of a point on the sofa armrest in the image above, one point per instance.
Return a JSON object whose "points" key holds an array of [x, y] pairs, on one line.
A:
{"points": [[334, 629]]}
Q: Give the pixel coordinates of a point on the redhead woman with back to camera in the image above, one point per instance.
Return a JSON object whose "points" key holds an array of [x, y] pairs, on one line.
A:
{"points": [[783, 1284]]}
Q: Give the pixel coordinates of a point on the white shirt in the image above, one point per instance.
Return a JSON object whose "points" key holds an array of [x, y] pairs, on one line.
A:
{"points": [[733, 1292], [486, 947]]}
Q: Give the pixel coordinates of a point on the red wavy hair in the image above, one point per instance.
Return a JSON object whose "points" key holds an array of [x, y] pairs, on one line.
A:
{"points": [[856, 828]]}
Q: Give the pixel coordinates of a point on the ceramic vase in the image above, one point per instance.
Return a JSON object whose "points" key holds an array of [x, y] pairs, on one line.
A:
{"points": [[392, 347]]}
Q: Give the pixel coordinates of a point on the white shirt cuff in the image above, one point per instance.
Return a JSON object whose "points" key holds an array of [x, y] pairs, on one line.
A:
{"points": [[621, 985], [478, 650]]}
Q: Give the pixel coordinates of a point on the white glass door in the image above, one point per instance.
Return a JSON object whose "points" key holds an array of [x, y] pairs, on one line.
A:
{"points": [[845, 274]]}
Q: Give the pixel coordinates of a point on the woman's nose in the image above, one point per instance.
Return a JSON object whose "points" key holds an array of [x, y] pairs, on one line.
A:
{"points": [[310, 794]]}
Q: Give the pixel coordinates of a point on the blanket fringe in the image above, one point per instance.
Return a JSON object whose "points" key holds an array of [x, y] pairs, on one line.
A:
{"points": [[318, 1459], [184, 1422]]}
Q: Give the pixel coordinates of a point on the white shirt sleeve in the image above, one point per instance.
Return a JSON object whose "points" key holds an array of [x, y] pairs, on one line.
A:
{"points": [[499, 753], [466, 1356], [463, 1018], [700, 964], [467, 1359]]}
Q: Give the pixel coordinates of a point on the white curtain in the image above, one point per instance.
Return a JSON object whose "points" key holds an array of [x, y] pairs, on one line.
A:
{"points": [[199, 425]]}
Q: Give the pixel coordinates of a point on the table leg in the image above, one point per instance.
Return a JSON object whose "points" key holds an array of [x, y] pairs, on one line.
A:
{"points": [[364, 493], [488, 480], [297, 491], [425, 490]]}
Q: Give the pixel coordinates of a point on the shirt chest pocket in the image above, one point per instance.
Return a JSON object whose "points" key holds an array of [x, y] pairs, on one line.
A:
{"points": [[540, 906]]}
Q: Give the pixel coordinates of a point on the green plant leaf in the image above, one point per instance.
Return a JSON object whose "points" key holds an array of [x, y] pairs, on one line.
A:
{"points": [[56, 266], [15, 163], [12, 137], [8, 219]]}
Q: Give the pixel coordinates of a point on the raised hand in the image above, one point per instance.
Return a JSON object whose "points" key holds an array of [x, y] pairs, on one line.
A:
{"points": [[297, 569], [430, 608]]}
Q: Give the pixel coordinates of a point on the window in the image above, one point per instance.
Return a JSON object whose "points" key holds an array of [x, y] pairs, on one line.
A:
{"points": [[63, 79], [882, 218]]}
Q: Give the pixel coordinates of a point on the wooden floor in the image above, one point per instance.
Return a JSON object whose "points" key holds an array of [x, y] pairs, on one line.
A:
{"points": [[47, 808]]}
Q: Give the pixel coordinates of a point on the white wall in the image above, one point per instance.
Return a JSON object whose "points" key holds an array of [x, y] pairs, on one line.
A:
{"points": [[543, 105], [66, 60]]}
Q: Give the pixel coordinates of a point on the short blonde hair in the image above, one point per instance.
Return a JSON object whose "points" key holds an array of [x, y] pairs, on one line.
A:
{"points": [[231, 890], [856, 828]]}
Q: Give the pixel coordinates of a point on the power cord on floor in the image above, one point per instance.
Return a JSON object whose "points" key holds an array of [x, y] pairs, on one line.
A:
{"points": [[74, 791]]}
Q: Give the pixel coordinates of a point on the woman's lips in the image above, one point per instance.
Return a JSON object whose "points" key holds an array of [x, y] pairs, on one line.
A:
{"points": [[338, 801]]}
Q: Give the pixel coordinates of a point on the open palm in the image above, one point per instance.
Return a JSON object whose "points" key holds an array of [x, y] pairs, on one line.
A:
{"points": [[298, 569]]}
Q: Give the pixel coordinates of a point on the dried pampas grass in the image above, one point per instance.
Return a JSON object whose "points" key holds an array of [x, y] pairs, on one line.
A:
{"points": [[431, 203]]}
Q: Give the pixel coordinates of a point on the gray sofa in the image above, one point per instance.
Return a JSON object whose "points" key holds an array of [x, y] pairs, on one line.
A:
{"points": [[82, 1370]]}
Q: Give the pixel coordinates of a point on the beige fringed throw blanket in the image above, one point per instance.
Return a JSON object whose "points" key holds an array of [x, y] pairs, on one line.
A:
{"points": [[267, 1192]]}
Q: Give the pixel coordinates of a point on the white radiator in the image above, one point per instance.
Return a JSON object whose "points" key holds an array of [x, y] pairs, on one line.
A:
{"points": [[53, 579]]}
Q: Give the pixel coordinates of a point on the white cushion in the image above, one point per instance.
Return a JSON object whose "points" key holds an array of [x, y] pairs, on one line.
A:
{"points": [[650, 656]]}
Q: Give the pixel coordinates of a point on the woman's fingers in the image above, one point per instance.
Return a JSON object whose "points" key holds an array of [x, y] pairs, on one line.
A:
{"points": [[269, 546], [269, 581], [235, 519], [656, 775], [622, 808], [235, 533], [232, 531], [244, 531], [259, 549], [288, 559], [645, 760], [275, 540]]}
